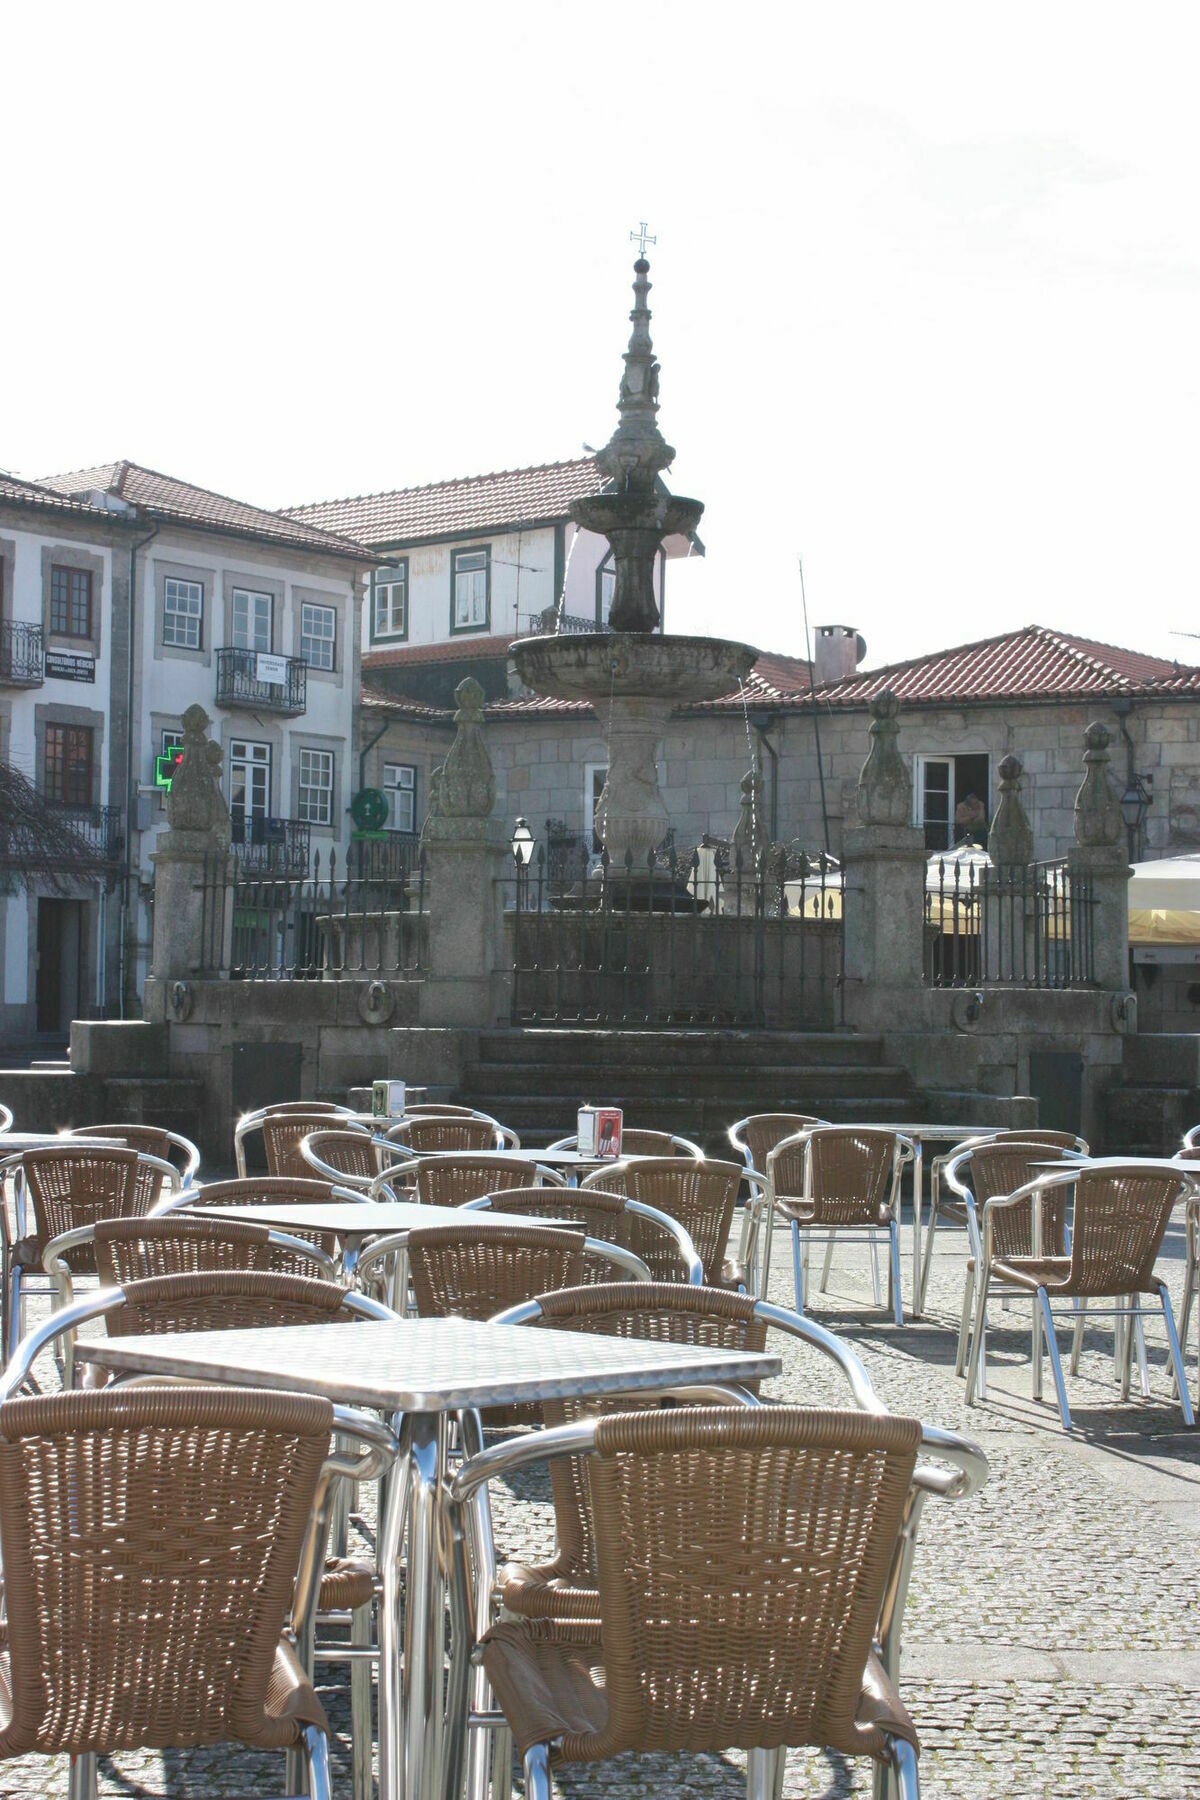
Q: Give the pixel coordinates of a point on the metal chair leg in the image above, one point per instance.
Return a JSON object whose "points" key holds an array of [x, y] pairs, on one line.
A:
{"points": [[964, 1323], [897, 1297], [360, 1706], [976, 1365], [764, 1774], [537, 1773], [927, 1258], [317, 1746], [1185, 1399], [16, 1299], [875, 1288], [828, 1263], [1140, 1339], [81, 1780], [1055, 1364], [798, 1266], [502, 1761], [1035, 1352], [1077, 1334], [905, 1762]]}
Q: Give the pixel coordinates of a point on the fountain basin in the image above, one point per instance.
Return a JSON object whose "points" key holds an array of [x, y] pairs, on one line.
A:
{"points": [[675, 671]]}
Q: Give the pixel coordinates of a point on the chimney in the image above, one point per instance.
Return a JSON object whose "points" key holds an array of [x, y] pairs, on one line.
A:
{"points": [[837, 652]]}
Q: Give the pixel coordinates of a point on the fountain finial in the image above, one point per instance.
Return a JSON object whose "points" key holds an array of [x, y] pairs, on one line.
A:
{"points": [[637, 451]]}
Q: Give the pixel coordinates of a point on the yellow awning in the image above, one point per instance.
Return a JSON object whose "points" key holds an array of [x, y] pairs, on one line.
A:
{"points": [[1163, 925]]}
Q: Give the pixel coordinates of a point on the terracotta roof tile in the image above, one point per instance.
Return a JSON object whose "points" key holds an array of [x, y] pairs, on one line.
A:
{"points": [[164, 497], [35, 493], [401, 705], [470, 503], [456, 649]]}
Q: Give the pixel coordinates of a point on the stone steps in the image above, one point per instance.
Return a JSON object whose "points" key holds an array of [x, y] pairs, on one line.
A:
{"points": [[692, 1048]]}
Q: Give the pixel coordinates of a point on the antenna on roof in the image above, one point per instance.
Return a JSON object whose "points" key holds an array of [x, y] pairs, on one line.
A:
{"points": [[812, 689]]}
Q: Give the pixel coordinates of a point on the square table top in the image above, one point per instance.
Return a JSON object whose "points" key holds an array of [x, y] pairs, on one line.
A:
{"points": [[428, 1365], [367, 1218]]}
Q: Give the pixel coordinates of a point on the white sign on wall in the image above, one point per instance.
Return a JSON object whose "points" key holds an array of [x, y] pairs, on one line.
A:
{"points": [[272, 669]]}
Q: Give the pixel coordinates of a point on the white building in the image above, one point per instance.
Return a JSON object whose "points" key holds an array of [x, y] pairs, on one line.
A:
{"points": [[254, 616]]}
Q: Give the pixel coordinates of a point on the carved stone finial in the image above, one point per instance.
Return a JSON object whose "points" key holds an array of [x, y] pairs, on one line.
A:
{"points": [[885, 784], [1098, 822], [1010, 836], [466, 792], [750, 832], [637, 451], [195, 803]]}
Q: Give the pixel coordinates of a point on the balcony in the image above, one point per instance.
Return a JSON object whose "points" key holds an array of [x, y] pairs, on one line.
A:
{"points": [[270, 846], [20, 654], [100, 829], [549, 621], [390, 857], [248, 678]]}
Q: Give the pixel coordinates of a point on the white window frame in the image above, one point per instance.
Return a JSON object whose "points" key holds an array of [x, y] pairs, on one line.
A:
{"points": [[310, 639], [391, 595], [595, 774], [607, 587], [178, 587], [249, 640], [254, 757], [400, 783], [314, 798], [472, 578], [920, 763]]}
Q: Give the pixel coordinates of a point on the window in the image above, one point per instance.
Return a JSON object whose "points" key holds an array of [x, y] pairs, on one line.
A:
{"points": [[606, 587], [68, 766], [315, 801], [71, 601], [251, 620], [249, 786], [390, 617], [400, 786], [951, 800], [183, 613], [469, 573], [318, 635], [594, 777]]}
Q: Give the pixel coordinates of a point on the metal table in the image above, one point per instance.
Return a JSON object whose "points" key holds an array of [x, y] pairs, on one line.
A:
{"points": [[424, 1370]]}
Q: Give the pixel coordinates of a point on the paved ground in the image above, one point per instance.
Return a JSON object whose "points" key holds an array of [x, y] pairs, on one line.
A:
{"points": [[1051, 1645]]}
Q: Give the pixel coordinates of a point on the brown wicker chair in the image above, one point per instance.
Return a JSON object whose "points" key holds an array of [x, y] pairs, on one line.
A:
{"points": [[266, 1190], [433, 1132], [744, 1560], [283, 1134], [609, 1218], [701, 1195], [350, 1157], [152, 1140], [176, 1244], [453, 1180], [840, 1179], [636, 1141], [472, 1275], [1119, 1219], [318, 1112], [135, 1618]]}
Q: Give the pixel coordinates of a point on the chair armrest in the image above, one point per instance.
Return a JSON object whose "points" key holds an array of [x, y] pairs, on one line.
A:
{"points": [[59, 1324], [641, 1209], [838, 1351]]}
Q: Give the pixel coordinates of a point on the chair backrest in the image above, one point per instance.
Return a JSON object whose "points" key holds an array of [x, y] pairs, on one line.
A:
{"points": [[441, 1110], [354, 1155], [701, 1195], [661, 1312], [137, 1617], [636, 1141], [425, 1136], [1117, 1228], [223, 1300], [450, 1180], [249, 1123], [75, 1184], [843, 1174], [465, 1274], [273, 1190], [282, 1135], [154, 1140], [764, 1130], [174, 1244], [1001, 1166], [6, 1117], [603, 1217], [742, 1556], [1191, 1139]]}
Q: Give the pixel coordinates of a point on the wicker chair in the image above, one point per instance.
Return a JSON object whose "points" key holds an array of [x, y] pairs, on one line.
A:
{"points": [[637, 1142], [745, 1559], [982, 1171], [167, 1632], [269, 1190], [227, 1300], [953, 1205], [1118, 1222], [318, 1112], [176, 1244], [284, 1133], [353, 1157], [840, 1179], [605, 1217], [1191, 1139], [68, 1185], [701, 1195], [453, 1180], [472, 1275], [426, 1136], [754, 1138], [153, 1140]]}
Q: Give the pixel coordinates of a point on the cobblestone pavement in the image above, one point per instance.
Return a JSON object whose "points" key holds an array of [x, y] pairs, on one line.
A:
{"points": [[1051, 1643]]}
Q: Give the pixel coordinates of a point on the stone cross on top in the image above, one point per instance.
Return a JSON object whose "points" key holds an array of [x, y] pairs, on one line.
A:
{"points": [[641, 238]]}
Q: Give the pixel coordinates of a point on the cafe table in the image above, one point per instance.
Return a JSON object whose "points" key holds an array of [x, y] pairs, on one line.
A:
{"points": [[425, 1370]]}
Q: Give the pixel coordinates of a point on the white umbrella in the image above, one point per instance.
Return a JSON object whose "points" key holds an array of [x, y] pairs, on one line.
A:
{"points": [[1172, 884]]}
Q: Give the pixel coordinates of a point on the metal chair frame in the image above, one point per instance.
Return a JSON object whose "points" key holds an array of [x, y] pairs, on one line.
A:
{"points": [[737, 1135], [903, 1152], [672, 1142], [252, 1121], [188, 1152], [751, 1211], [6, 1118], [638, 1208]]}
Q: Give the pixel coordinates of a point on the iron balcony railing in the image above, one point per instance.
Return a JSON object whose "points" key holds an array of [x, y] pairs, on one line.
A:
{"points": [[20, 654], [99, 828], [271, 845], [550, 622], [392, 856], [248, 678], [1026, 926]]}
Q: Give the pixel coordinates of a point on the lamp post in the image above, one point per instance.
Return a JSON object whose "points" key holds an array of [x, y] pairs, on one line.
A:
{"points": [[1135, 804], [522, 854]]}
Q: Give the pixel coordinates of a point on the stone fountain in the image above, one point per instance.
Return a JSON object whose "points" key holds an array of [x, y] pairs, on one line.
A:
{"points": [[634, 676]]}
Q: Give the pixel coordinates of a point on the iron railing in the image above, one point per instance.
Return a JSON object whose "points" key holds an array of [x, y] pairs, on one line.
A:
{"points": [[274, 846], [550, 622], [20, 654], [99, 828], [326, 924], [673, 941], [393, 856], [241, 682], [1029, 926]]}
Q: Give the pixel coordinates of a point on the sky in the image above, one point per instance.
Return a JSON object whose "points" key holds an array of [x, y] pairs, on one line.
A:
{"points": [[926, 280]]}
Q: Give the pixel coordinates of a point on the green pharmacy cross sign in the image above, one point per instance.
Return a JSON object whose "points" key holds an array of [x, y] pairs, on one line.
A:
{"points": [[165, 766]]}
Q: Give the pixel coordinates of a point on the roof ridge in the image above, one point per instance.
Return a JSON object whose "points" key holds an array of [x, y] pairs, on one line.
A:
{"points": [[426, 487], [910, 662]]}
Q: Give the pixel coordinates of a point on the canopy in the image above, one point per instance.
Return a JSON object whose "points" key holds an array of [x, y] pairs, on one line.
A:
{"points": [[1173, 884]]}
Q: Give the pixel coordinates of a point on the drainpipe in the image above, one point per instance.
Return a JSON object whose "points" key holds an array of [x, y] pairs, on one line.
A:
{"points": [[130, 795], [1124, 711], [365, 751], [763, 723]]}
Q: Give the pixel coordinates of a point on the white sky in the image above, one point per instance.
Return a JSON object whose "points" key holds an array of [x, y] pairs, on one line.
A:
{"points": [[925, 293]]}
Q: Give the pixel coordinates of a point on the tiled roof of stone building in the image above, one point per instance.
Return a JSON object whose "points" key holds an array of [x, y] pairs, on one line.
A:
{"points": [[464, 648], [467, 504], [165, 497], [35, 493], [1031, 664]]}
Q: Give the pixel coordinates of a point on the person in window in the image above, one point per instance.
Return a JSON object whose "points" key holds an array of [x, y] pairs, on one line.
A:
{"points": [[970, 820]]}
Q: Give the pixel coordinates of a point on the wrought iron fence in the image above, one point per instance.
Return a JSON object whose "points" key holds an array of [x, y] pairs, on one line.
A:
{"points": [[323, 925], [674, 941], [393, 856], [20, 654], [1030, 926]]}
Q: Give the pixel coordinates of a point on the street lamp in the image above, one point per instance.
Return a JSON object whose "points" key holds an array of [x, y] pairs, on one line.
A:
{"points": [[1135, 804], [522, 843]]}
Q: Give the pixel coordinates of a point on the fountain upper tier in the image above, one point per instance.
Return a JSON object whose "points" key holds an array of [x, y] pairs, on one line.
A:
{"points": [[631, 665]]}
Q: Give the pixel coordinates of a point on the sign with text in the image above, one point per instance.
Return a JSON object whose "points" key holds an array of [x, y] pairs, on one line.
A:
{"points": [[271, 669], [69, 665]]}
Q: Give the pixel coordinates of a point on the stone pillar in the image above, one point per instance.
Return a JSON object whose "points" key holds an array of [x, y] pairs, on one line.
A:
{"points": [[1007, 943], [465, 854], [884, 904], [1099, 855], [196, 841]]}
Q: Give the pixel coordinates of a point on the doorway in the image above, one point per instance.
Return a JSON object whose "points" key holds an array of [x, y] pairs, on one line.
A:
{"points": [[60, 960]]}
